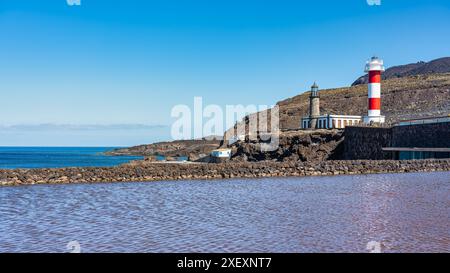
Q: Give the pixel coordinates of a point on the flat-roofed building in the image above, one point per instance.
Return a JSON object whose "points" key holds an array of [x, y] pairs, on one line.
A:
{"points": [[421, 138], [331, 121], [221, 153]]}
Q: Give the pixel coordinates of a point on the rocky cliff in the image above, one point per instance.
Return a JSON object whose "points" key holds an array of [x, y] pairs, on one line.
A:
{"points": [[192, 149], [312, 146]]}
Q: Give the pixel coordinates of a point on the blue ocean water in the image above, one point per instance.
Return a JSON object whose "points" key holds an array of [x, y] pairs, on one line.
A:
{"points": [[59, 157]]}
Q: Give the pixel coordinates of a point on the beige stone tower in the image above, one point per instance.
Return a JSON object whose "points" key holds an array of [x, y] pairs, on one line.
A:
{"points": [[314, 106]]}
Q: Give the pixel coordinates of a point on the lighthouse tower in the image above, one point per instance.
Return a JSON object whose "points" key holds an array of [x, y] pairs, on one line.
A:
{"points": [[374, 67], [314, 106]]}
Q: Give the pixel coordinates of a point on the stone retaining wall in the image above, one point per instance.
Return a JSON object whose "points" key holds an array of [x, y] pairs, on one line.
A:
{"points": [[139, 171], [366, 142]]}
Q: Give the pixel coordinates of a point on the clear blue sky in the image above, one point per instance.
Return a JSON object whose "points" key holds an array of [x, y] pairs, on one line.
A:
{"points": [[129, 62]]}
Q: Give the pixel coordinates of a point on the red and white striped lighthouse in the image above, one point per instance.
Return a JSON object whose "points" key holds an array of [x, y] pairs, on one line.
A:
{"points": [[374, 67]]}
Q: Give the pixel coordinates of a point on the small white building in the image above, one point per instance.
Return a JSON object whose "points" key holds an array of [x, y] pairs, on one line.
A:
{"points": [[331, 121], [221, 153]]}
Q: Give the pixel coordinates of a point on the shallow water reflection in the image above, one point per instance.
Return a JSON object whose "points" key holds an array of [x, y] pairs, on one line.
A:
{"points": [[404, 212]]}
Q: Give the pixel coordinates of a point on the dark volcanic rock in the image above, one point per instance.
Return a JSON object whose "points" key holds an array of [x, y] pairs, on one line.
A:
{"points": [[313, 146], [147, 171], [193, 149]]}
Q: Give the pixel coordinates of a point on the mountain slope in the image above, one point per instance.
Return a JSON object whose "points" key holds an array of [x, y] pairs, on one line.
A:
{"points": [[441, 65]]}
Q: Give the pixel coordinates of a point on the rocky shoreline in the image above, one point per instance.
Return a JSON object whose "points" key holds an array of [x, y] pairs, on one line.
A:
{"points": [[141, 171]]}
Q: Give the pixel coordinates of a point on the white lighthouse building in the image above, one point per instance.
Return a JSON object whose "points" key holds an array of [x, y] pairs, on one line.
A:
{"points": [[374, 68]]}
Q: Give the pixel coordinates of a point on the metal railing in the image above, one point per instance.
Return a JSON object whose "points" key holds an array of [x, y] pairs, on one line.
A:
{"points": [[423, 121]]}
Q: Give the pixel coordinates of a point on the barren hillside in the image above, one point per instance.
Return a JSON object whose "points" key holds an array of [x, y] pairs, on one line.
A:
{"points": [[441, 65], [402, 98]]}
